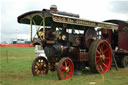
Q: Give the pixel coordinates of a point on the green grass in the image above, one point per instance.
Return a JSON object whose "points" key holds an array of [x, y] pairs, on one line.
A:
{"points": [[17, 71], [16, 52]]}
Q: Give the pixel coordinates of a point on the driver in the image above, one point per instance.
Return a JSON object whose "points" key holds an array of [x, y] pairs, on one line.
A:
{"points": [[53, 9]]}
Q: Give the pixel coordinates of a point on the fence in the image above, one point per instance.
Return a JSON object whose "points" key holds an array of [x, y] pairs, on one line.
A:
{"points": [[15, 45]]}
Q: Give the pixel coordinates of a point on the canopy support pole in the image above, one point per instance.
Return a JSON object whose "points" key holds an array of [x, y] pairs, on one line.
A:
{"points": [[37, 29], [31, 29], [43, 28]]}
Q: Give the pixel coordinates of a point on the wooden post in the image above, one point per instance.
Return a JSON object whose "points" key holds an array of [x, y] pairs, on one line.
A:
{"points": [[7, 55], [31, 29]]}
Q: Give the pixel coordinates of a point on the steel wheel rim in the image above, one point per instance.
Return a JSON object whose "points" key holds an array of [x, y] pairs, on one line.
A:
{"points": [[66, 69], [40, 66], [103, 57]]}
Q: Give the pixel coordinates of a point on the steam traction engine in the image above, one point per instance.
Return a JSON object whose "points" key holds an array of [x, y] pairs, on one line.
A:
{"points": [[70, 43]]}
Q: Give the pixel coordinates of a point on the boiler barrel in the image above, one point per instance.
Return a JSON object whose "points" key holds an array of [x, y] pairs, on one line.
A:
{"points": [[59, 51]]}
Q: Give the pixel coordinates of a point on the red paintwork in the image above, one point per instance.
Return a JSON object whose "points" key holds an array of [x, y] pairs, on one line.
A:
{"points": [[36, 43], [103, 57], [83, 56], [64, 73], [40, 66], [123, 40], [122, 35], [15, 45], [109, 32]]}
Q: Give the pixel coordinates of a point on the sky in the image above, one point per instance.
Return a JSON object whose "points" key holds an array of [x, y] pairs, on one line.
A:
{"points": [[96, 10]]}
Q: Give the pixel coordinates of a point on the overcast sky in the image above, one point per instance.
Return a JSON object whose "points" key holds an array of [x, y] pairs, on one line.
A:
{"points": [[98, 10]]}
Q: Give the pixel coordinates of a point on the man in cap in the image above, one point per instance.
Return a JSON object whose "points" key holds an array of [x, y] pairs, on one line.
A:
{"points": [[53, 9]]}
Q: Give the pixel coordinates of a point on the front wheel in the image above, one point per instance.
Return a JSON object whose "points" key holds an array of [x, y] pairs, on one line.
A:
{"points": [[65, 68], [40, 66]]}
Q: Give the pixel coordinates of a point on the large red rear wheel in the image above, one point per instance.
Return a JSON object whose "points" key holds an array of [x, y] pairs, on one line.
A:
{"points": [[40, 66], [100, 56], [65, 68]]}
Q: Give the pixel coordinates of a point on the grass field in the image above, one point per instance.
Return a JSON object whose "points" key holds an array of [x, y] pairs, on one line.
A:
{"points": [[15, 69]]}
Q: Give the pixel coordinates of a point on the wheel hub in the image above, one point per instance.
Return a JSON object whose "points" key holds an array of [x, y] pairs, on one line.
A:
{"points": [[67, 69], [39, 67], [102, 56]]}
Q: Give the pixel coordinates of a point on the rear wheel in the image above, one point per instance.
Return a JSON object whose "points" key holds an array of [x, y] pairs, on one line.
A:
{"points": [[40, 66], [100, 56], [65, 68], [124, 62]]}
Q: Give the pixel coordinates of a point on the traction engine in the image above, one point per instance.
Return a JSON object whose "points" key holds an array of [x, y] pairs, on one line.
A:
{"points": [[70, 43]]}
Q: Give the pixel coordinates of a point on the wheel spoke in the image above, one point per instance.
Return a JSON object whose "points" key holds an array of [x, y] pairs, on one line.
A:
{"points": [[98, 60], [106, 58], [36, 72], [97, 56], [41, 63], [69, 66], [101, 55], [62, 68], [65, 68], [35, 69], [62, 73], [38, 63], [44, 68], [102, 47], [105, 51], [35, 66], [98, 52], [101, 68], [39, 71], [101, 50], [40, 66], [66, 74], [97, 66], [104, 65], [65, 63]]}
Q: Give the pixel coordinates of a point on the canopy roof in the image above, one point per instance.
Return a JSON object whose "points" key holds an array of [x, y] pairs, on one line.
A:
{"points": [[37, 19], [117, 21], [123, 25]]}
